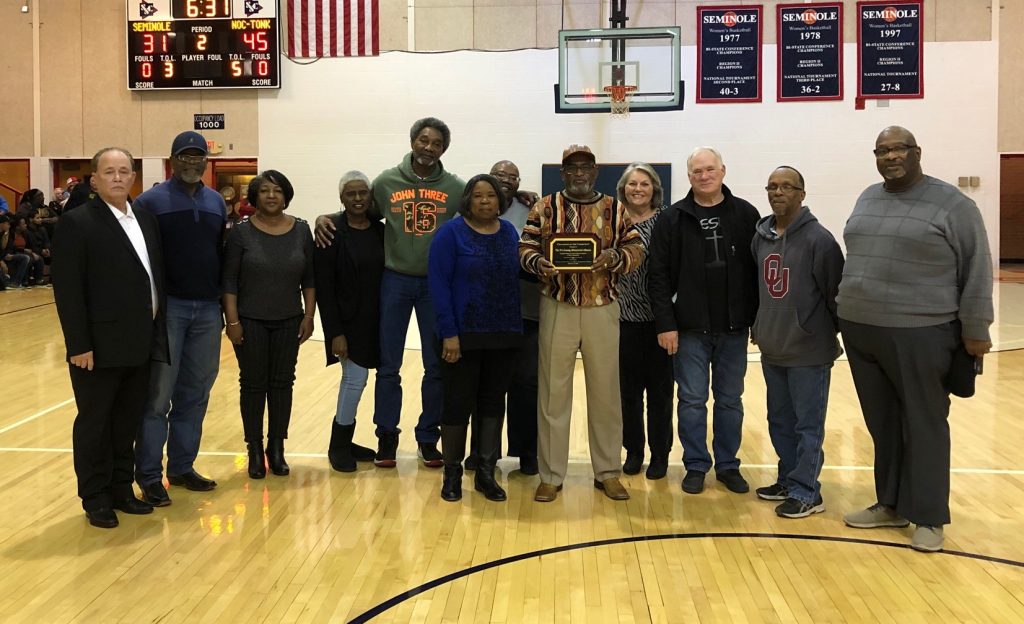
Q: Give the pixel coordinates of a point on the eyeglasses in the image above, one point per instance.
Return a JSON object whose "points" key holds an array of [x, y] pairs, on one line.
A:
{"points": [[785, 188], [191, 160], [899, 150], [571, 169], [507, 177]]}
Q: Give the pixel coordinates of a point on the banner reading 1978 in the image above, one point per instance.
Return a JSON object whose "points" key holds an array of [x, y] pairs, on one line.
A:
{"points": [[890, 54], [810, 45], [729, 54]]}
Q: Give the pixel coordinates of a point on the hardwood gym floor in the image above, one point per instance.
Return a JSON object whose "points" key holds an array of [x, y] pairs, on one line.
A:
{"points": [[380, 545]]}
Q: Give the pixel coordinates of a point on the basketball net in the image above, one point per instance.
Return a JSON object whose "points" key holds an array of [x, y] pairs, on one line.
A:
{"points": [[621, 95]]}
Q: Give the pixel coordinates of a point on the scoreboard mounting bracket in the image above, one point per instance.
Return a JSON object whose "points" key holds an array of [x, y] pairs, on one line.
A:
{"points": [[203, 44]]}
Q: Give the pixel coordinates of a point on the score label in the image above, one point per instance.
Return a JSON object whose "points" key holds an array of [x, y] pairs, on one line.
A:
{"points": [[202, 44], [209, 121]]}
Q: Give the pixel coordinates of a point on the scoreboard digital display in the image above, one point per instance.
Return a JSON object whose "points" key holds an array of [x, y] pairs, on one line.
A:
{"points": [[203, 44]]}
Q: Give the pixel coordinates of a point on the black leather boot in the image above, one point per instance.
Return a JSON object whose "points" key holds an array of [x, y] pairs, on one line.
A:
{"points": [[275, 457], [340, 451], [453, 448], [490, 445], [257, 467]]}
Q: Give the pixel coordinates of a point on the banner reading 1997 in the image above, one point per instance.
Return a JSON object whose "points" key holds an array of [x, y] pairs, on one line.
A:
{"points": [[810, 45], [890, 55], [729, 54]]}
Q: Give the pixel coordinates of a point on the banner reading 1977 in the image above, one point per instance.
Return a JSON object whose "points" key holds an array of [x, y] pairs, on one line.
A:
{"points": [[729, 54], [810, 45], [890, 54]]}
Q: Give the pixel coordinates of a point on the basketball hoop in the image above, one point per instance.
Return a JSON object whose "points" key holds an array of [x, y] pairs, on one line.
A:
{"points": [[621, 95]]}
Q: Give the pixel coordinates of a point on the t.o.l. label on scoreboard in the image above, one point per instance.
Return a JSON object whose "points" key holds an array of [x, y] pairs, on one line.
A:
{"points": [[810, 49], [729, 54], [208, 121], [890, 54]]}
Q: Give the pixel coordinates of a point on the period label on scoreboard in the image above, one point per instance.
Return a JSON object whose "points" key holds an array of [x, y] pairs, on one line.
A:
{"points": [[890, 54], [729, 54], [810, 49], [203, 44]]}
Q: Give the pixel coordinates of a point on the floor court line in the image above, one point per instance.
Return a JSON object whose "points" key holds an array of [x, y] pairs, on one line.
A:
{"points": [[984, 471], [37, 415], [394, 601]]}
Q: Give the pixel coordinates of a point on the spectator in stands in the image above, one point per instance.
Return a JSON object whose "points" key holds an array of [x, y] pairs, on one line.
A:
{"points": [[39, 241], [31, 202], [23, 245], [80, 193], [268, 259], [348, 275], [16, 263]]}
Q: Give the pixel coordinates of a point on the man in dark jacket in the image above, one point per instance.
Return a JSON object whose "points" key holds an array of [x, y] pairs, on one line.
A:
{"points": [[109, 289], [800, 265], [703, 291]]}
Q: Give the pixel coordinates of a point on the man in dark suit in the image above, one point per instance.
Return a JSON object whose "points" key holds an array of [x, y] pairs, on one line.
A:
{"points": [[108, 287]]}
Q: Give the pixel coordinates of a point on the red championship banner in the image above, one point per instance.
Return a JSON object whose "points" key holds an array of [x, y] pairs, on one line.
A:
{"points": [[890, 50], [810, 51], [729, 53]]}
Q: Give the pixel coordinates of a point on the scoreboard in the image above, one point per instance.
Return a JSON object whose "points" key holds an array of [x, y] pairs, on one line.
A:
{"points": [[203, 44]]}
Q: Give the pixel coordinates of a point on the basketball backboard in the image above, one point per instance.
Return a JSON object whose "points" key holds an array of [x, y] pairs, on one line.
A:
{"points": [[593, 60]]}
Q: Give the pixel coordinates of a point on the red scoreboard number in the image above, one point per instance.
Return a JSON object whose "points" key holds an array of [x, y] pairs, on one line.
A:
{"points": [[202, 47]]}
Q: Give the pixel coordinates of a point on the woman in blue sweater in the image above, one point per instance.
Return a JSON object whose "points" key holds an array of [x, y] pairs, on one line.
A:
{"points": [[473, 276]]}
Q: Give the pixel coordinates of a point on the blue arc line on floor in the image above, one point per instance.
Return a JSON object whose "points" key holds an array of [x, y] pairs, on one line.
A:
{"points": [[366, 616]]}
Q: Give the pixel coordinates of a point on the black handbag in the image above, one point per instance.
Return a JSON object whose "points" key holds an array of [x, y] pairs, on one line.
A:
{"points": [[963, 369]]}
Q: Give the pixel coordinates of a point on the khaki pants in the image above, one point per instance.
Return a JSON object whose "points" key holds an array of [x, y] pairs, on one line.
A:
{"points": [[594, 331]]}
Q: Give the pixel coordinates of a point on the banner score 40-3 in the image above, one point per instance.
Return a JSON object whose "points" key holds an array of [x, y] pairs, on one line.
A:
{"points": [[202, 44]]}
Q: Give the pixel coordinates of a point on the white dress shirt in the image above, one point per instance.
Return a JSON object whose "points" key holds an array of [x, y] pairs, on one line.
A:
{"points": [[131, 227]]}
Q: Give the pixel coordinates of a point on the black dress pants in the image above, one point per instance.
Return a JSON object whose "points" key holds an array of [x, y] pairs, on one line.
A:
{"points": [[900, 377], [110, 403], [476, 384], [645, 366], [522, 396], [266, 375]]}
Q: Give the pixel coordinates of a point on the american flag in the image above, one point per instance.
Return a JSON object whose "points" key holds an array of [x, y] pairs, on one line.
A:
{"points": [[333, 28]]}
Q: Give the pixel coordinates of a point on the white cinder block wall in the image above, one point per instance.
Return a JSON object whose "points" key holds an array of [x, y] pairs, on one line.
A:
{"points": [[340, 114]]}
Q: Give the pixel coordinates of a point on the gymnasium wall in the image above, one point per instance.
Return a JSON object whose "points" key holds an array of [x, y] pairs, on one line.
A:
{"points": [[500, 105]]}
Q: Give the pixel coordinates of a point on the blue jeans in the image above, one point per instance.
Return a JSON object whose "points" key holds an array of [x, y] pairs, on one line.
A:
{"points": [[726, 356], [353, 381], [180, 391], [797, 402], [399, 296]]}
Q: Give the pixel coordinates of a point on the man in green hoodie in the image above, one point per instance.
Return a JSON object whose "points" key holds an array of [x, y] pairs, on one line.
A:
{"points": [[415, 198]]}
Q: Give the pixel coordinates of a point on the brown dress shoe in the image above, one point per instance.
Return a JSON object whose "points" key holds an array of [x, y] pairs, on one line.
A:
{"points": [[612, 488], [547, 492]]}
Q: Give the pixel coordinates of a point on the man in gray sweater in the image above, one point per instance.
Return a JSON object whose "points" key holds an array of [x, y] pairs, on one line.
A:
{"points": [[799, 267], [917, 285]]}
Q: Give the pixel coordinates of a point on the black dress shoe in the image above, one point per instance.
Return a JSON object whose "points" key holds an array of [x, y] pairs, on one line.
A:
{"points": [[528, 464], [134, 506], [693, 482], [634, 462], [733, 480], [155, 494], [658, 467], [193, 481], [104, 518]]}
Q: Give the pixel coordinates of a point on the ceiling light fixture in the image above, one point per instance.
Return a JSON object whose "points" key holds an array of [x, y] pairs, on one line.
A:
{"points": [[24, 7]]}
